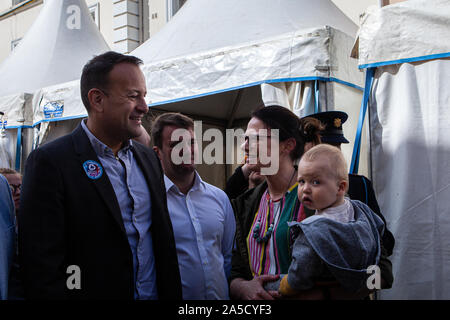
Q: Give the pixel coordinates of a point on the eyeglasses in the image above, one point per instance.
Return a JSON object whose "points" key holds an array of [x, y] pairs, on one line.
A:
{"points": [[15, 187]]}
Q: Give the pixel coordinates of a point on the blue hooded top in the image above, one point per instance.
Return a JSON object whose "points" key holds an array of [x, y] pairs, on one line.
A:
{"points": [[345, 249]]}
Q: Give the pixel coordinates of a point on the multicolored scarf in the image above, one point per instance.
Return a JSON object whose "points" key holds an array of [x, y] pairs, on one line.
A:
{"points": [[291, 210]]}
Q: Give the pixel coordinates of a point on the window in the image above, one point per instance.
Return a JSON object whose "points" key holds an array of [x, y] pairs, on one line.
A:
{"points": [[14, 43], [94, 11], [173, 6]]}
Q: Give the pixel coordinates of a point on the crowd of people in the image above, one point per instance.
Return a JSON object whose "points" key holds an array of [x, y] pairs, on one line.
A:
{"points": [[101, 214]]}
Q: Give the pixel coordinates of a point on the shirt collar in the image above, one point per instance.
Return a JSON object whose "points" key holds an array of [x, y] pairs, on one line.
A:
{"points": [[198, 183], [100, 148]]}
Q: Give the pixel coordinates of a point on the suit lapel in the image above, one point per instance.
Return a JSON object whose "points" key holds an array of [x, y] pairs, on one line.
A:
{"points": [[85, 152]]}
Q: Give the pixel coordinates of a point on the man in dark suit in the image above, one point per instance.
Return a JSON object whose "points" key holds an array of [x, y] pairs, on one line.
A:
{"points": [[94, 222]]}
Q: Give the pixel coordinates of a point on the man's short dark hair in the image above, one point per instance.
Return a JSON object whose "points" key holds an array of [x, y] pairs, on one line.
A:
{"points": [[96, 72], [169, 119]]}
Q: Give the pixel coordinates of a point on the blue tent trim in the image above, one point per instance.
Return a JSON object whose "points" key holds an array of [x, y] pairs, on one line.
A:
{"points": [[46, 120], [325, 79], [414, 59], [58, 119]]}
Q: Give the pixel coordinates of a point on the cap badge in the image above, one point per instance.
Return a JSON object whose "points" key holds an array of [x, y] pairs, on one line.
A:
{"points": [[337, 122]]}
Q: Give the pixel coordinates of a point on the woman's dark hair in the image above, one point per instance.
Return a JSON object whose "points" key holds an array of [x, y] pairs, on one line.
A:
{"points": [[290, 126]]}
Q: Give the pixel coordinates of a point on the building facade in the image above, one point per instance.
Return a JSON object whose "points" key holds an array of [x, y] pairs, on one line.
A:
{"points": [[124, 24]]}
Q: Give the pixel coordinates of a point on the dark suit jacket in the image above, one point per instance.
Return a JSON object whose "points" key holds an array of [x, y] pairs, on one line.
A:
{"points": [[68, 219]]}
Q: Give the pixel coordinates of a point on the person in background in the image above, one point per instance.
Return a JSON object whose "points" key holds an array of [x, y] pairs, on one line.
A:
{"points": [[15, 182], [241, 180], [93, 220], [201, 214], [143, 138], [7, 234], [15, 284]]}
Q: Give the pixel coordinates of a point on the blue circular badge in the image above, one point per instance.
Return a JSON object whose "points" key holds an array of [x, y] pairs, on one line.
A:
{"points": [[93, 169]]}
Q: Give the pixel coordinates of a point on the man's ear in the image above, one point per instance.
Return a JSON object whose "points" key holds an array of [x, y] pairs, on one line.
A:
{"points": [[96, 97]]}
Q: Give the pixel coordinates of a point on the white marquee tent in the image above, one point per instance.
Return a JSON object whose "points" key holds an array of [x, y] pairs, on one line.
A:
{"points": [[61, 40], [221, 59], [406, 47]]}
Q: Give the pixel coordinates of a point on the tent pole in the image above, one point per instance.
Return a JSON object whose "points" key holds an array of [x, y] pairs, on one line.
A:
{"points": [[316, 96], [357, 146], [18, 148]]}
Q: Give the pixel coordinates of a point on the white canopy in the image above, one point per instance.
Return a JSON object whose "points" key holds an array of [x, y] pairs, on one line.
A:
{"points": [[212, 46], [54, 50], [409, 119], [218, 60], [404, 32], [61, 40]]}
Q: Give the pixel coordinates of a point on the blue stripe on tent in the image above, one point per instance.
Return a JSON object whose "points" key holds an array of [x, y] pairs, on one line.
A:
{"points": [[46, 120], [17, 127], [258, 83], [58, 119], [357, 146], [415, 59], [18, 148]]}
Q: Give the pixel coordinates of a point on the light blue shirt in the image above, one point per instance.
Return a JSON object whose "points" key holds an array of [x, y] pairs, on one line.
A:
{"points": [[204, 226], [133, 196], [7, 234]]}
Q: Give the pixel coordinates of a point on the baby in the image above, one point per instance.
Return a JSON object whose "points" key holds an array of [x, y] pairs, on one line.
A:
{"points": [[341, 240]]}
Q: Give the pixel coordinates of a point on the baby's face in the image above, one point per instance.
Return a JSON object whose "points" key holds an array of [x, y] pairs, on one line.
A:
{"points": [[318, 188]]}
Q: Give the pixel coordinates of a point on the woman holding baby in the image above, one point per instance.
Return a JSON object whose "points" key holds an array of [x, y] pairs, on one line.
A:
{"points": [[262, 234]]}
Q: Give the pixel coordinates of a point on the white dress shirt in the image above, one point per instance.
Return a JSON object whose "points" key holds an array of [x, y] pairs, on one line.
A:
{"points": [[204, 226]]}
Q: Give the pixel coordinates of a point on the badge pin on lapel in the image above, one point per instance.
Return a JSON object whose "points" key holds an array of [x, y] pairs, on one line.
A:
{"points": [[93, 169]]}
